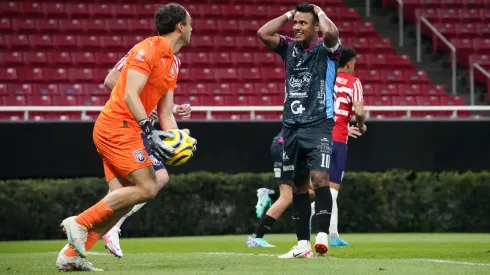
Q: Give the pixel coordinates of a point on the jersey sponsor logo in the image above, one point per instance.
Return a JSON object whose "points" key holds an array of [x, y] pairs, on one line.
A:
{"points": [[298, 95], [288, 168], [140, 54], [296, 81], [277, 172], [139, 155], [296, 107], [284, 156]]}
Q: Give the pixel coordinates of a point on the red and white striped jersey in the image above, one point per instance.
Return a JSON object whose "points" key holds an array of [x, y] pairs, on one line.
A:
{"points": [[347, 90]]}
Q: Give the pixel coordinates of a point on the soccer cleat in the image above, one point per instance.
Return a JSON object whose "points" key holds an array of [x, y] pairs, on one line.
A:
{"points": [[111, 242], [337, 241], [263, 201], [76, 234], [75, 263], [297, 252], [257, 242], [321, 244]]}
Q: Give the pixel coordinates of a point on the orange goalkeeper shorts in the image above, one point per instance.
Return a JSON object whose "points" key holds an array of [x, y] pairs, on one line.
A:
{"points": [[121, 149]]}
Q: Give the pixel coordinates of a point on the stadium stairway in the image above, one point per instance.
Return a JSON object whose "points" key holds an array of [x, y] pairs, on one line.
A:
{"points": [[436, 65]]}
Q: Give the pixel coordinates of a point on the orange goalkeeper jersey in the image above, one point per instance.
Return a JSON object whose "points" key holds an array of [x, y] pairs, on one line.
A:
{"points": [[154, 58]]}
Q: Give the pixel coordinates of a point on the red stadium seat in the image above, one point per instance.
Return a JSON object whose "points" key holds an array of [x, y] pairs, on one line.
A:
{"points": [[8, 74], [116, 25], [123, 10], [16, 100], [11, 58], [71, 89], [35, 58], [6, 25], [67, 100], [56, 75], [410, 90], [226, 74], [78, 10], [93, 101], [32, 74], [221, 58], [84, 75], [242, 58], [220, 89], [96, 90], [195, 89], [45, 89], [71, 26], [54, 9], [249, 74], [100, 10], [244, 88], [83, 58], [48, 25], [18, 41], [202, 74], [3, 90], [268, 88], [20, 89], [108, 58], [386, 90], [23, 25], [272, 73], [44, 100], [60, 58]]}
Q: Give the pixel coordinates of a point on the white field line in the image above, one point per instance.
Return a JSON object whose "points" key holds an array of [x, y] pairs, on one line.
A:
{"points": [[273, 255]]}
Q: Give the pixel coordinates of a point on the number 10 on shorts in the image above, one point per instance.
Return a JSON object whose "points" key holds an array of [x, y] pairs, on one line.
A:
{"points": [[325, 161]]}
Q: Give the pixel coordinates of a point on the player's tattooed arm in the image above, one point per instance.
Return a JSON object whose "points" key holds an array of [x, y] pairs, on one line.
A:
{"points": [[268, 32], [111, 79], [328, 29], [165, 112]]}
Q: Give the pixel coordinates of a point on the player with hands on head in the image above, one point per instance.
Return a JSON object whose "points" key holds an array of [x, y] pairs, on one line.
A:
{"points": [[147, 80], [310, 66]]}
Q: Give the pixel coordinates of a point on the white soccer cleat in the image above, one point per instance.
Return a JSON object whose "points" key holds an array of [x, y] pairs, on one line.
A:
{"points": [[76, 234], [75, 263], [297, 252], [111, 241], [321, 244]]}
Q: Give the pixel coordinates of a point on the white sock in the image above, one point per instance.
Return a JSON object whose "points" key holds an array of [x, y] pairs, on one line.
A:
{"points": [[134, 210], [304, 244], [335, 213], [312, 208]]}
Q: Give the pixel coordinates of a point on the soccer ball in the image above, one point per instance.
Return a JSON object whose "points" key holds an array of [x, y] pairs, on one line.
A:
{"points": [[183, 147]]}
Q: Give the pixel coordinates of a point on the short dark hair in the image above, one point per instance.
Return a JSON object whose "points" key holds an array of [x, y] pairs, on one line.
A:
{"points": [[169, 15], [307, 8], [347, 55]]}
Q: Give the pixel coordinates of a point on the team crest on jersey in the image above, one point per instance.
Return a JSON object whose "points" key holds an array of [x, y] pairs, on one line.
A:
{"points": [[139, 155], [296, 81]]}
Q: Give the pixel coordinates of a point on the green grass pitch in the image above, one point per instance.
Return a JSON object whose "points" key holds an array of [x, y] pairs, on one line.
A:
{"points": [[368, 254]]}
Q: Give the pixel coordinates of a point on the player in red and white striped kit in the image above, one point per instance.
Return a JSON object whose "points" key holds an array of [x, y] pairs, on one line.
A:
{"points": [[347, 94], [111, 239]]}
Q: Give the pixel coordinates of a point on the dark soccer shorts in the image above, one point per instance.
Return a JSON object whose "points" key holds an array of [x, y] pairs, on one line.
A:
{"points": [[276, 154], [338, 161], [307, 149], [157, 165]]}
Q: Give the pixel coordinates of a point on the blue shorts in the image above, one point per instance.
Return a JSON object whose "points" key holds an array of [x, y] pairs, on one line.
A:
{"points": [[157, 165], [337, 162]]}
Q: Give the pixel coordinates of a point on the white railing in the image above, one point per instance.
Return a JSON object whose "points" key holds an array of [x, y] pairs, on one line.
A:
{"points": [[400, 19], [443, 39], [472, 79], [251, 109]]}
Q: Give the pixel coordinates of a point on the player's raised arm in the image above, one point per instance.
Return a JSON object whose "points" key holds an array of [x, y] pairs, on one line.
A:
{"points": [[268, 32], [328, 29], [165, 112], [111, 78]]}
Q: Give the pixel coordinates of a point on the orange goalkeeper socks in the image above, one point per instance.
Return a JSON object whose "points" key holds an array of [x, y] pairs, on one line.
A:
{"points": [[92, 238], [98, 213]]}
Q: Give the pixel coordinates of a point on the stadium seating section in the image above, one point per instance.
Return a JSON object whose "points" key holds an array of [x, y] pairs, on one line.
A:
{"points": [[59, 52], [465, 23]]}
